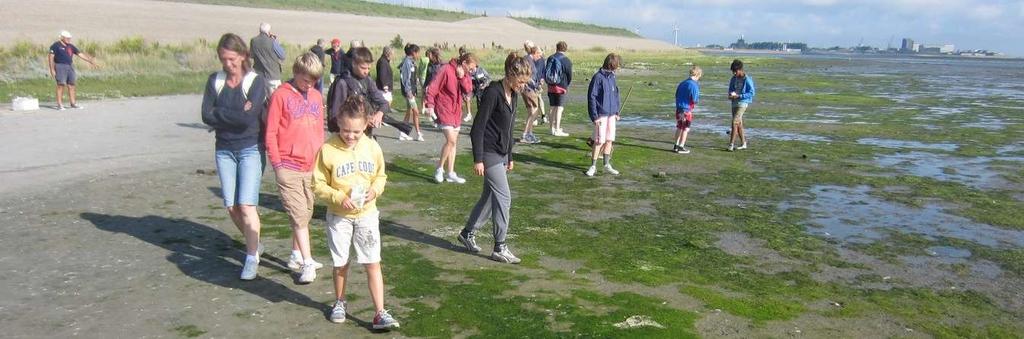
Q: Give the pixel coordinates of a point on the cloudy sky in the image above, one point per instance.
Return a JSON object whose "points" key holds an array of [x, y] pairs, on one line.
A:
{"points": [[969, 24]]}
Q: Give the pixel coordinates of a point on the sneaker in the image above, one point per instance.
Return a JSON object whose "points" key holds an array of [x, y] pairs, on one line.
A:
{"points": [[543, 119], [744, 146], [505, 256], [384, 321], [732, 147], [403, 137], [682, 150], [249, 270], [560, 133], [591, 170], [469, 242], [77, 106], [469, 118], [295, 264], [60, 107], [338, 312], [610, 170], [536, 122], [308, 274], [419, 137], [452, 177], [439, 175]]}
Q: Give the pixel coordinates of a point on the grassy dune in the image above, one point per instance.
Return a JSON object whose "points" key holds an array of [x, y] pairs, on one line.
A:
{"points": [[580, 27], [367, 8]]}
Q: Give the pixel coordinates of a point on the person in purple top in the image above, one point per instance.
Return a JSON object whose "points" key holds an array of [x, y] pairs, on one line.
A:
{"points": [[62, 55]]}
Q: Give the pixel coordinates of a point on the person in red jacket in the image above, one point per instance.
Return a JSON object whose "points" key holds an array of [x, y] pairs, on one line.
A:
{"points": [[444, 97], [295, 132]]}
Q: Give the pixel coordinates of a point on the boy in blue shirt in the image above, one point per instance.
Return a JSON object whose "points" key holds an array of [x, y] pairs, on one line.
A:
{"points": [[741, 93], [687, 96]]}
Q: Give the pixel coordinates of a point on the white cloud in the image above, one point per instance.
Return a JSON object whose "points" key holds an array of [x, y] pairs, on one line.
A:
{"points": [[986, 12]]}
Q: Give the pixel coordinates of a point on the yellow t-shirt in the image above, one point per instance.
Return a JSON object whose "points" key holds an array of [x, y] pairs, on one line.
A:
{"points": [[339, 168]]}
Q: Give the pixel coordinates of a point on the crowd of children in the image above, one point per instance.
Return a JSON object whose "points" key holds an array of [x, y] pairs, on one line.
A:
{"points": [[254, 119]]}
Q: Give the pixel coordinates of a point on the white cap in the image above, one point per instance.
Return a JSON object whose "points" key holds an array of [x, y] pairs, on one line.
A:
{"points": [[65, 34]]}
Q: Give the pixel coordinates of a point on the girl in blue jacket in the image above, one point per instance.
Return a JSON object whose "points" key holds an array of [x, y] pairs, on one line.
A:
{"points": [[741, 93], [603, 105]]}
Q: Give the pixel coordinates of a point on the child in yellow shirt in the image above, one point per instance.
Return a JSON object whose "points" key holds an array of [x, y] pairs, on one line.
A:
{"points": [[349, 175]]}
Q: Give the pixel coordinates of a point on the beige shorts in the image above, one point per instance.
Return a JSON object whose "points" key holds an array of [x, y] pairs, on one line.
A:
{"points": [[531, 99], [296, 189], [737, 113], [362, 233]]}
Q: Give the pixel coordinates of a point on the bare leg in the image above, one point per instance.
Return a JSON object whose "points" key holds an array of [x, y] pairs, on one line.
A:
{"points": [[682, 136], [250, 218], [607, 148], [301, 235], [340, 274], [452, 140], [71, 95], [739, 130], [596, 152], [529, 120], [375, 280], [60, 96]]}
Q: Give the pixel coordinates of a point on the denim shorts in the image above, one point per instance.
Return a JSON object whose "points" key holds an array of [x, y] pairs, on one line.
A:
{"points": [[241, 173]]}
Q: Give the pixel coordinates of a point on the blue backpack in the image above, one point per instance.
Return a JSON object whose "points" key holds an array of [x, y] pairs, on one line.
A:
{"points": [[553, 71]]}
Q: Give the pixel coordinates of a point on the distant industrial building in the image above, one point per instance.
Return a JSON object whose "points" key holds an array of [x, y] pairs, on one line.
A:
{"points": [[937, 49], [908, 46]]}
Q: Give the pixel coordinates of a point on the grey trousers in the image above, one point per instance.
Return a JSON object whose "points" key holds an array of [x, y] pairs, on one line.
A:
{"points": [[495, 201]]}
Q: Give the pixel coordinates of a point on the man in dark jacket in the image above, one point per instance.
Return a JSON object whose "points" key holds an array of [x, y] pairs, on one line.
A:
{"points": [[337, 54]]}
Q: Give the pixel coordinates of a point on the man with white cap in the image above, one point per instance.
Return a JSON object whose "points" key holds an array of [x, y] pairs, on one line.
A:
{"points": [[62, 55]]}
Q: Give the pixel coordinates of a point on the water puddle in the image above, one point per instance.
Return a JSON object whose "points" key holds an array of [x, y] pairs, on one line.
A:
{"points": [[902, 144], [978, 172], [851, 214], [635, 121]]}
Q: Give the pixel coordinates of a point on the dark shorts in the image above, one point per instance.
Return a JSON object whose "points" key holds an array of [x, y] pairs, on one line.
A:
{"points": [[65, 74], [555, 99], [684, 119]]}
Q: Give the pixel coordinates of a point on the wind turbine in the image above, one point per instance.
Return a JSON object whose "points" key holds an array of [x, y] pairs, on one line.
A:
{"points": [[675, 33]]}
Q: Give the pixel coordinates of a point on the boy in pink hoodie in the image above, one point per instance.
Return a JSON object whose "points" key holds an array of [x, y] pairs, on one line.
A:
{"points": [[444, 97], [295, 132]]}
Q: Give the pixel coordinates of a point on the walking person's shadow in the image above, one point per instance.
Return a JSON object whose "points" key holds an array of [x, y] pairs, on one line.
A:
{"points": [[201, 252]]}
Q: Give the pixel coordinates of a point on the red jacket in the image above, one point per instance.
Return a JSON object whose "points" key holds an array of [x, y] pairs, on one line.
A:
{"points": [[295, 128], [445, 94]]}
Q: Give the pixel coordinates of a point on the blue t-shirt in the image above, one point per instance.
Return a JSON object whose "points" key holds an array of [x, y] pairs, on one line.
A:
{"points": [[687, 95], [63, 54]]}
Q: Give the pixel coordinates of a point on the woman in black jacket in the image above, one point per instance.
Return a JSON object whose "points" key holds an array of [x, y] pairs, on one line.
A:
{"points": [[492, 155]]}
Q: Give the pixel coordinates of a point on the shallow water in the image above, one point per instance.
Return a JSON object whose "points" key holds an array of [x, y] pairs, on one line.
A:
{"points": [[851, 214], [977, 172], [903, 144], [705, 127]]}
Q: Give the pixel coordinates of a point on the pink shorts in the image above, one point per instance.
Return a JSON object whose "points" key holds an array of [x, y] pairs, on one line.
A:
{"points": [[604, 129]]}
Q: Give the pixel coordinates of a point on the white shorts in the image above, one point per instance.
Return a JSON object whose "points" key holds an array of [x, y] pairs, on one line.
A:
{"points": [[451, 127], [605, 131], [363, 233]]}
